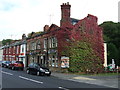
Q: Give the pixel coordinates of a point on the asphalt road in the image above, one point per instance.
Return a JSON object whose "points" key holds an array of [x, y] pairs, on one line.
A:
{"points": [[0, 78], [19, 79]]}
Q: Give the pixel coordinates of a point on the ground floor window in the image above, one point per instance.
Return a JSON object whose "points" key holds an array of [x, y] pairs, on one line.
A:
{"points": [[53, 61]]}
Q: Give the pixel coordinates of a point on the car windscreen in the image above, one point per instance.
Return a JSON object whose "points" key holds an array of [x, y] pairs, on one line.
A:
{"points": [[20, 62], [8, 62]]}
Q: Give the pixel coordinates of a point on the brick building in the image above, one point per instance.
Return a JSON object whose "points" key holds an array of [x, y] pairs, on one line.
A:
{"points": [[1, 51], [46, 47], [15, 50]]}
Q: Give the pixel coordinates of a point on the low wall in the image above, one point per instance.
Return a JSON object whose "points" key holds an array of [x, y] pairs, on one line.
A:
{"points": [[56, 69]]}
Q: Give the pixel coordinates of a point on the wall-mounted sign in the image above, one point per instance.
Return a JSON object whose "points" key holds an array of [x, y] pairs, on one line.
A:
{"points": [[64, 62]]}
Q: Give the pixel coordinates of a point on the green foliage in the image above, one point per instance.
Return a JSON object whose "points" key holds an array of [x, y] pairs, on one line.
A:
{"points": [[112, 53], [83, 58], [6, 41], [111, 33]]}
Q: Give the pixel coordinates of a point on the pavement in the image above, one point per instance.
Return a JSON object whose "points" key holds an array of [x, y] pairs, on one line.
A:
{"points": [[112, 81]]}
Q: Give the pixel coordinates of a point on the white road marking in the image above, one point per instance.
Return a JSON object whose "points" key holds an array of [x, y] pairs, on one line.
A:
{"points": [[30, 79], [63, 88], [7, 73]]}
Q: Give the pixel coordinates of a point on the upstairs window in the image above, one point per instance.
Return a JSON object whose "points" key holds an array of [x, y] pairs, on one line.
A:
{"points": [[54, 42], [38, 44], [28, 47], [45, 43], [22, 48], [33, 46]]}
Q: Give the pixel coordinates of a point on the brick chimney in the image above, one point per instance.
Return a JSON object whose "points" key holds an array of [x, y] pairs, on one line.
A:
{"points": [[23, 37], [46, 28], [65, 15]]}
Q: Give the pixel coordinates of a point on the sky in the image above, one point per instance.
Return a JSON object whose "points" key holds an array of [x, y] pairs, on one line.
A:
{"points": [[26, 16]]}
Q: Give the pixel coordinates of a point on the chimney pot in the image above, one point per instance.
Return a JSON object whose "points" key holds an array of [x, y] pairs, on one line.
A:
{"points": [[46, 28], [67, 3]]}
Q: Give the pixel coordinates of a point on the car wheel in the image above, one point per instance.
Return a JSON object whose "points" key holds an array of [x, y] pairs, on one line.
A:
{"points": [[48, 74], [5, 66], [42, 74], [9, 67], [28, 71], [13, 68], [22, 69], [38, 73]]}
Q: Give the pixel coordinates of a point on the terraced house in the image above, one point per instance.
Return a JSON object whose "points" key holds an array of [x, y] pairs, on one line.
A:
{"points": [[15, 50]]}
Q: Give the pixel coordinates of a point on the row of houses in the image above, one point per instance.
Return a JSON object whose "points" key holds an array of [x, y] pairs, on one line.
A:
{"points": [[46, 47], [15, 50]]}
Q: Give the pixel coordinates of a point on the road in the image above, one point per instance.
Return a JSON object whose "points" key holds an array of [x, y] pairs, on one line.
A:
{"points": [[0, 78], [19, 79]]}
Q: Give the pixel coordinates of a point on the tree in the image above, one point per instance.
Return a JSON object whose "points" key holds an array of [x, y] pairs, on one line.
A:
{"points": [[111, 32], [118, 57], [6, 41], [112, 53]]}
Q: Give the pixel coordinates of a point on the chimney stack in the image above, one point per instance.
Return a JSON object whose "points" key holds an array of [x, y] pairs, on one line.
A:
{"points": [[65, 15], [46, 28], [23, 37]]}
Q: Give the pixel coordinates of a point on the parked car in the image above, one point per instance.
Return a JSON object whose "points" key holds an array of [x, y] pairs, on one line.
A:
{"points": [[35, 68], [16, 65], [5, 63]]}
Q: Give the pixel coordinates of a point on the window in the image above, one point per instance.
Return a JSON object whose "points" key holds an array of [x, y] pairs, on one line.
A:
{"points": [[22, 48], [45, 43], [9, 50], [27, 46], [30, 65], [50, 42], [15, 49], [53, 61], [32, 46], [35, 46], [54, 42], [38, 44], [74, 23]]}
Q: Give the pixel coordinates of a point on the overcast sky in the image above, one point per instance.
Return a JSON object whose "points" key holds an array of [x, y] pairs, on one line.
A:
{"points": [[24, 16]]}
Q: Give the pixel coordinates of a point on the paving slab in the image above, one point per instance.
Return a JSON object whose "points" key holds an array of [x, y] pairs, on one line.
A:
{"points": [[109, 81]]}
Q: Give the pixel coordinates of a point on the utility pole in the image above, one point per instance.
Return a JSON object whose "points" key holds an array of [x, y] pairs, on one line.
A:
{"points": [[50, 18]]}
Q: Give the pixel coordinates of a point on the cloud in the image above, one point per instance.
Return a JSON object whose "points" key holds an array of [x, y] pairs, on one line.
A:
{"points": [[6, 5], [24, 16]]}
